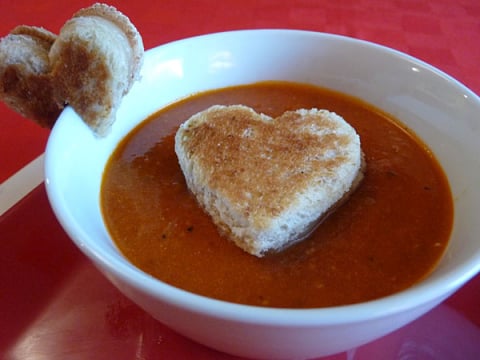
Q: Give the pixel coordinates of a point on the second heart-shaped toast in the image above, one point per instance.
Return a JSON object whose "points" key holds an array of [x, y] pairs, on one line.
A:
{"points": [[95, 61], [267, 182], [90, 66]]}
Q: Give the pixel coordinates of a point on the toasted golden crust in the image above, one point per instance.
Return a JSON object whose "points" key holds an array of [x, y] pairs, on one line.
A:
{"points": [[25, 82], [42, 36], [266, 181]]}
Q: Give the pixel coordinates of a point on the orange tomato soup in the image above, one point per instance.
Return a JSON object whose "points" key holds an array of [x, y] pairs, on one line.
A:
{"points": [[390, 233]]}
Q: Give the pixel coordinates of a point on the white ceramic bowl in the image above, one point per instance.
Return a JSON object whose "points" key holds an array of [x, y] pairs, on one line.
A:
{"points": [[439, 109]]}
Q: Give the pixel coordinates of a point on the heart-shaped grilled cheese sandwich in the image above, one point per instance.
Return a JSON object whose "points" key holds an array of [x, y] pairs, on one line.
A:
{"points": [[90, 66], [265, 182]]}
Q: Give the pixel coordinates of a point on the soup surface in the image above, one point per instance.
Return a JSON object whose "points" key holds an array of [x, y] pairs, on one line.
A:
{"points": [[390, 233]]}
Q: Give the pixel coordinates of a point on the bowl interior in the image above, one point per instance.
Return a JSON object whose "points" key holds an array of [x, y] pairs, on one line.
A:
{"points": [[439, 109]]}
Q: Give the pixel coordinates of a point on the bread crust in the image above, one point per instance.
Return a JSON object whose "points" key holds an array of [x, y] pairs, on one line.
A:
{"points": [[41, 35], [297, 168]]}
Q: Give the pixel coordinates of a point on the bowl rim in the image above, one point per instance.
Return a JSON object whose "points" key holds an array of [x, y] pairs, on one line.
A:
{"points": [[357, 312]]}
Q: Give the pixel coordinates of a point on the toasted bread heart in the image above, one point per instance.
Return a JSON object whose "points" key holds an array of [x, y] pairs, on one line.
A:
{"points": [[25, 83], [90, 66], [267, 182], [95, 60]]}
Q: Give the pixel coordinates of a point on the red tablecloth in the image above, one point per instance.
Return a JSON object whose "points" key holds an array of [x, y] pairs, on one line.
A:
{"points": [[55, 305]]}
